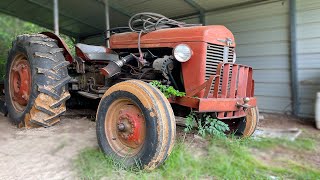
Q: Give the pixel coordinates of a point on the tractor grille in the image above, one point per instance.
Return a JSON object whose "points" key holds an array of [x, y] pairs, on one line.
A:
{"points": [[215, 55]]}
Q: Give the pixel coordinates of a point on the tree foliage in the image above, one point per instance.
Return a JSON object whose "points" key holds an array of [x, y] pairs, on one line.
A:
{"points": [[10, 28]]}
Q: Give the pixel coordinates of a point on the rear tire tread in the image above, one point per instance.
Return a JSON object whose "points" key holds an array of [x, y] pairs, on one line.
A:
{"points": [[48, 92]]}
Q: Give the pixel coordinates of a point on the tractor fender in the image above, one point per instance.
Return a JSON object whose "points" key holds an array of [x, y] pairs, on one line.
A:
{"points": [[61, 44]]}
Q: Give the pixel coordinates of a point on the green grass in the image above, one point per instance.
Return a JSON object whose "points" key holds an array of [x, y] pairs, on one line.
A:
{"points": [[300, 144], [227, 159]]}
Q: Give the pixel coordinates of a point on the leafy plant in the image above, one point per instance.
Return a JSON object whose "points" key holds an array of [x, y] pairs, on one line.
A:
{"points": [[190, 121], [213, 127], [206, 125], [168, 91]]}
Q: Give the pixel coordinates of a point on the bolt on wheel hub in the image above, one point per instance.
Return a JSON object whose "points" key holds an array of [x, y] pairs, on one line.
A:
{"points": [[121, 127], [129, 126]]}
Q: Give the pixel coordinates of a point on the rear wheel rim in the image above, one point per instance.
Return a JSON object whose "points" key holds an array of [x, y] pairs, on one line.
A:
{"points": [[20, 82], [125, 127]]}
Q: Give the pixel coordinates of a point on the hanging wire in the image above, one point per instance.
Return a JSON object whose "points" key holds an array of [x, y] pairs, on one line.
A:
{"points": [[146, 22]]}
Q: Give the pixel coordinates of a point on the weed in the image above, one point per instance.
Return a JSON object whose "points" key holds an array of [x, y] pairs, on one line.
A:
{"points": [[206, 125], [190, 121], [168, 91]]}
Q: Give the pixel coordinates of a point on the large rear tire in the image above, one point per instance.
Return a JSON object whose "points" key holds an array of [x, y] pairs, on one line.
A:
{"points": [[36, 75], [136, 125]]}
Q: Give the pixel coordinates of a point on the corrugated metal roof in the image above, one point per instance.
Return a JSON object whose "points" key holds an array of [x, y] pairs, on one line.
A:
{"points": [[81, 18], [216, 4]]}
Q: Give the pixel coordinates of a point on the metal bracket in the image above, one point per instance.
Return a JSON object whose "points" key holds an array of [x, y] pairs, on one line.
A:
{"points": [[206, 85], [80, 67], [245, 104]]}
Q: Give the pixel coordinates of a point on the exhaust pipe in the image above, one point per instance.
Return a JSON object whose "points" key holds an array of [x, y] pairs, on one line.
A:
{"points": [[114, 67]]}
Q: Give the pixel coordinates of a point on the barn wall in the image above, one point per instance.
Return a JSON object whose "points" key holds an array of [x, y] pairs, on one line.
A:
{"points": [[262, 39], [308, 49]]}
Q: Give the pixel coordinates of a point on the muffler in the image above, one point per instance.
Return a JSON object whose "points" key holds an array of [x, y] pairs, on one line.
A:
{"points": [[114, 67]]}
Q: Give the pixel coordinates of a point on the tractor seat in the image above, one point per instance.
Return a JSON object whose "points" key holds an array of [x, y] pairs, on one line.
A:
{"points": [[93, 53]]}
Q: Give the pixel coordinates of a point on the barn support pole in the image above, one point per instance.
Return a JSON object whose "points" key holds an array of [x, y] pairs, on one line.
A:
{"points": [[56, 16], [201, 10], [106, 5], [293, 57]]}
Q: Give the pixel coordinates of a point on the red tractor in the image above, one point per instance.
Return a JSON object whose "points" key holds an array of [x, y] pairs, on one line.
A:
{"points": [[135, 121]]}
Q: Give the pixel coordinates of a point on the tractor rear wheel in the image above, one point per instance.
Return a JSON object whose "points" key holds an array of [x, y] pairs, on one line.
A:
{"points": [[36, 75], [248, 124], [136, 125]]}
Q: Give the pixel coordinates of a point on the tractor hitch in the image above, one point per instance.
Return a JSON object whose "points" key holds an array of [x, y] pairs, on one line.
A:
{"points": [[245, 104]]}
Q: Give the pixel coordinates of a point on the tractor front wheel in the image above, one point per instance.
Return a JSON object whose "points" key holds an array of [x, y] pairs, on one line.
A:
{"points": [[248, 124], [136, 125]]}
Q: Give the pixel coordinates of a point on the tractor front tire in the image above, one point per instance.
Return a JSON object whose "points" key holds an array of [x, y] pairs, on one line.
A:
{"points": [[248, 124], [36, 78], [136, 125]]}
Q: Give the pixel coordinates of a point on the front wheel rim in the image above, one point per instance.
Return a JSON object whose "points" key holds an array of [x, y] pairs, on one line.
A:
{"points": [[125, 127]]}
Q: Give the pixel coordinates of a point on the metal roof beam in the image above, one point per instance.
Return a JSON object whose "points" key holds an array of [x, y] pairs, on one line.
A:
{"points": [[117, 9], [200, 9], [231, 7], [120, 10]]}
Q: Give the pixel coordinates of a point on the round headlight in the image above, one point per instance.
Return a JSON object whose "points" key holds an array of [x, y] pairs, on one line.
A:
{"points": [[182, 53], [234, 57]]}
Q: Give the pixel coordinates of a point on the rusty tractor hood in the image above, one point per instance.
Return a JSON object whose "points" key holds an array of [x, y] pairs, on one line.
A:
{"points": [[215, 34]]}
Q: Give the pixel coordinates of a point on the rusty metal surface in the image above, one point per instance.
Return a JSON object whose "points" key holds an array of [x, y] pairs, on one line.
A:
{"points": [[239, 84], [222, 104], [125, 127], [165, 37], [187, 101], [62, 44], [207, 85], [20, 82], [233, 87], [197, 38]]}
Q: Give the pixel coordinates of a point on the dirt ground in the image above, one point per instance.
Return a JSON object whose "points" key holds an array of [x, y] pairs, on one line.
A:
{"points": [[47, 153], [44, 153], [276, 155]]}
